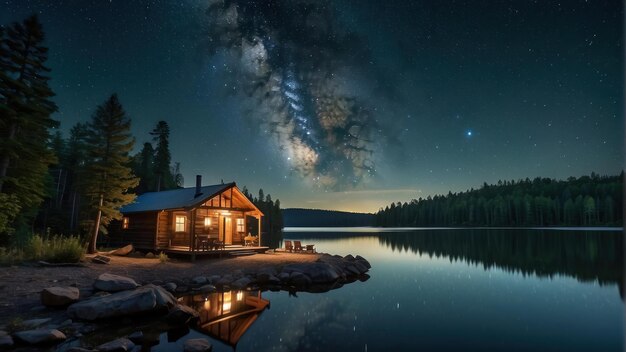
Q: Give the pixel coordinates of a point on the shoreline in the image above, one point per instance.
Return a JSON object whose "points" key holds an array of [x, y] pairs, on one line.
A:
{"points": [[21, 285], [373, 229]]}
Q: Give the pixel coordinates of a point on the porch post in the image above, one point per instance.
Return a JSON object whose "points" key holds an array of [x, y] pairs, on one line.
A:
{"points": [[259, 220], [192, 235]]}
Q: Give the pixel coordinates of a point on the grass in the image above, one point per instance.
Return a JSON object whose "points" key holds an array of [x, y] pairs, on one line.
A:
{"points": [[55, 249], [163, 258]]}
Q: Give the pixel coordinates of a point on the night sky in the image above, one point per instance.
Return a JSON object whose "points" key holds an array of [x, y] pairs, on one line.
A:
{"points": [[350, 104]]}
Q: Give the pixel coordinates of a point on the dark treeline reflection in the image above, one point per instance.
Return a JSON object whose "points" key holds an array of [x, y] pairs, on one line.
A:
{"points": [[584, 255]]}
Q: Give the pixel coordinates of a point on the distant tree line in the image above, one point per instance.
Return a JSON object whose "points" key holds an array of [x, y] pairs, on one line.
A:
{"points": [[585, 255], [584, 201], [299, 217], [272, 222]]}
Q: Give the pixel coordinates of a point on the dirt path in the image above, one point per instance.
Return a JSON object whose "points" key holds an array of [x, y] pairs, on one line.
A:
{"points": [[20, 285]]}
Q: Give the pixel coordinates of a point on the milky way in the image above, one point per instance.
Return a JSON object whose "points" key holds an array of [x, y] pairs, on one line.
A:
{"points": [[300, 72]]}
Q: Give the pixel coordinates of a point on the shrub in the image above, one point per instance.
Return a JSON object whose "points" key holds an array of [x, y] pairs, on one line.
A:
{"points": [[9, 256], [57, 249], [163, 257]]}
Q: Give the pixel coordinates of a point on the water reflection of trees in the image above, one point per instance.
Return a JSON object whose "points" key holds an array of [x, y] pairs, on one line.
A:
{"points": [[587, 256]]}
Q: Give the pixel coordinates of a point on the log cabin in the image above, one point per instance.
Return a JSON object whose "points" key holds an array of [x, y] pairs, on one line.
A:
{"points": [[186, 219]]}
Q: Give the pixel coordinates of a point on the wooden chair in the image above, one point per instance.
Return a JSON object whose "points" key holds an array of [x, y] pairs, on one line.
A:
{"points": [[297, 246], [288, 246]]}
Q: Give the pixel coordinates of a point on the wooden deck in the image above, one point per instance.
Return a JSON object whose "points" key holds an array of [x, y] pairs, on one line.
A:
{"points": [[231, 250]]}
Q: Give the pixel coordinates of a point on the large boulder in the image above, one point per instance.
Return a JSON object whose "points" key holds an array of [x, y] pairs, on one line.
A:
{"points": [[121, 344], [59, 296], [319, 272], [241, 283], [114, 283], [197, 345], [181, 314], [147, 298], [40, 336]]}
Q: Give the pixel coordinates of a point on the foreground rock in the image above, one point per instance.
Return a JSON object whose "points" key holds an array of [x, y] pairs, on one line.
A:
{"points": [[114, 283], [59, 296], [122, 344], [6, 340], [197, 345], [40, 336], [148, 298], [181, 314]]}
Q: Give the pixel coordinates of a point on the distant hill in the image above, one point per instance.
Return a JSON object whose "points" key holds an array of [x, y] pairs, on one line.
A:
{"points": [[297, 217]]}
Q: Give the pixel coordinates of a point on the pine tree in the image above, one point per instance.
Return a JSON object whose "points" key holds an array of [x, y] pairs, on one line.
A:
{"points": [[25, 126], [109, 143], [143, 167], [162, 157]]}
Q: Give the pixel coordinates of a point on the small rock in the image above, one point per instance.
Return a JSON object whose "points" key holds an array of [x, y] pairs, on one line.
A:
{"points": [[136, 337], [199, 280], [40, 336], [158, 282], [283, 276], [170, 286], [114, 283], [34, 323], [263, 278], [6, 340], [237, 274], [214, 279], [242, 283], [150, 255], [124, 251], [349, 258], [197, 345], [59, 296], [273, 280], [78, 349], [122, 344], [225, 280], [364, 261], [181, 315], [181, 289], [206, 289]]}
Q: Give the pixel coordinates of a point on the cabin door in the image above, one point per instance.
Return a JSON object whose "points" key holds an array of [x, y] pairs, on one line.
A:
{"points": [[228, 231]]}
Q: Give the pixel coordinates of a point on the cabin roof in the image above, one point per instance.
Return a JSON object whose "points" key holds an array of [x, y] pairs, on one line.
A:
{"points": [[174, 199]]}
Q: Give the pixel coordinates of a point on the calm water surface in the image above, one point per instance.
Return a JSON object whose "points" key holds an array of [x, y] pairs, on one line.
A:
{"points": [[443, 290]]}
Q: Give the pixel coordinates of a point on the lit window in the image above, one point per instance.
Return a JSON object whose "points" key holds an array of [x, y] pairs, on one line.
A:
{"points": [[207, 221], [180, 223], [226, 303], [240, 225], [125, 222]]}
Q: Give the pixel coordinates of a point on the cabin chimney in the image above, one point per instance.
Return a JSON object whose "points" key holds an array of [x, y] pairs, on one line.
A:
{"points": [[198, 186]]}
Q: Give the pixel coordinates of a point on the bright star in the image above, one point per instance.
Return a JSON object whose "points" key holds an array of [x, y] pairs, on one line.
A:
{"points": [[468, 133]]}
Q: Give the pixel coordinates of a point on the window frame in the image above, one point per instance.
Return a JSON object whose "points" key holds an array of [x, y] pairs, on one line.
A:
{"points": [[176, 223], [125, 223], [241, 222]]}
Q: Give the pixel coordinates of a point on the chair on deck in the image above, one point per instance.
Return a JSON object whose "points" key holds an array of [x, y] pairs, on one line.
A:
{"points": [[217, 244], [297, 246], [288, 246]]}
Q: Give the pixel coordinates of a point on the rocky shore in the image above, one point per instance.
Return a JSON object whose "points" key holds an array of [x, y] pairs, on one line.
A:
{"points": [[74, 313]]}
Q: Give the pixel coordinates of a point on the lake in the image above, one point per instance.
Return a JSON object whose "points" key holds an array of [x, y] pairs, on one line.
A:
{"points": [[442, 290]]}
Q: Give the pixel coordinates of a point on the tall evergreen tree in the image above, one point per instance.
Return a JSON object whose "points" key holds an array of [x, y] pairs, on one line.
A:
{"points": [[162, 157], [110, 176], [26, 109], [143, 167]]}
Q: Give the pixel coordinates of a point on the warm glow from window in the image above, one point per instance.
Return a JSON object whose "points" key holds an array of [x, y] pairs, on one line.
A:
{"points": [[180, 223], [125, 222], [207, 304], [226, 304], [207, 221], [240, 225], [239, 296]]}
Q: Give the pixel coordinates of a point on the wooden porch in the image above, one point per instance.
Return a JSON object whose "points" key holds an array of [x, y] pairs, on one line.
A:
{"points": [[228, 250]]}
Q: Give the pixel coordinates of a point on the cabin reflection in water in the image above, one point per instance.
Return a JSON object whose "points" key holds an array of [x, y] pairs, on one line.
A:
{"points": [[226, 316]]}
